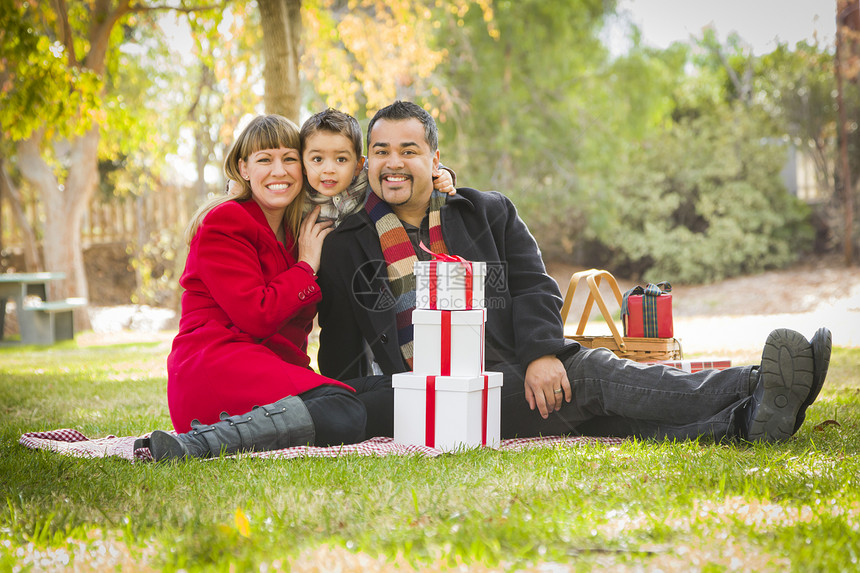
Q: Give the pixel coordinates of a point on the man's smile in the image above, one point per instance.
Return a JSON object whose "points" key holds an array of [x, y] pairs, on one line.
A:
{"points": [[394, 177]]}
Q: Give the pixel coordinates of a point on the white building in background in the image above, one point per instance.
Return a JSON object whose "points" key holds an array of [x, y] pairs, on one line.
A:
{"points": [[801, 178]]}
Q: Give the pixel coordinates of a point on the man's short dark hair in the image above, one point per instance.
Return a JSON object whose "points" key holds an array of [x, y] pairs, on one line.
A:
{"points": [[333, 121], [401, 110]]}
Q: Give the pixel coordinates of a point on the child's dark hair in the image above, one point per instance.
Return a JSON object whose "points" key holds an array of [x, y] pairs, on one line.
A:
{"points": [[334, 121]]}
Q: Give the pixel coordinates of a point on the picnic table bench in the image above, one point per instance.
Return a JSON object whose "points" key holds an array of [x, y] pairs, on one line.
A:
{"points": [[41, 321]]}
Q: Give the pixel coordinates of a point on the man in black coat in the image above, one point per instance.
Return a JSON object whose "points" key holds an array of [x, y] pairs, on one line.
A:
{"points": [[551, 384]]}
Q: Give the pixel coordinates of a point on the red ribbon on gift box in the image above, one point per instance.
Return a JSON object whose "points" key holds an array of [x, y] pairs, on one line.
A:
{"points": [[446, 342], [445, 367], [430, 411], [484, 399], [483, 337], [446, 258], [433, 295]]}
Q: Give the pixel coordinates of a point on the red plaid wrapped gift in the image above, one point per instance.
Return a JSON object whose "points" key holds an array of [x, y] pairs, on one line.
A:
{"points": [[647, 312], [697, 365]]}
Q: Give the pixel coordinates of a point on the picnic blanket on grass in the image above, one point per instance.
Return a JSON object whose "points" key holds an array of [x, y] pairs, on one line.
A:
{"points": [[73, 443]]}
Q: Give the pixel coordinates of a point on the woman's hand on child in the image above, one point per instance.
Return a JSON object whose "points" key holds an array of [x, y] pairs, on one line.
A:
{"points": [[311, 236]]}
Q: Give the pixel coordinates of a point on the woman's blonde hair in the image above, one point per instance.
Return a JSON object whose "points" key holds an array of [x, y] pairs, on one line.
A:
{"points": [[264, 132]]}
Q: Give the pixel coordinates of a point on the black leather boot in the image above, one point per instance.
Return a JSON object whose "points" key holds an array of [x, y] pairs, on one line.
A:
{"points": [[283, 424], [785, 381], [822, 343]]}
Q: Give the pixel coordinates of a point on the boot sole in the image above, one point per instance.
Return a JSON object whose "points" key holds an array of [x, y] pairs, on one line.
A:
{"points": [[786, 380], [822, 344], [164, 446]]}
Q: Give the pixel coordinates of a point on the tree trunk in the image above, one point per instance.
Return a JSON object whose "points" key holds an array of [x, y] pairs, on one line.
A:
{"points": [[32, 262], [65, 204], [64, 209], [282, 30], [847, 51], [201, 159], [504, 172], [200, 116]]}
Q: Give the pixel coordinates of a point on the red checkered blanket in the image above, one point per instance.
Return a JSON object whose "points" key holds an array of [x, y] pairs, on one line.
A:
{"points": [[73, 443]]}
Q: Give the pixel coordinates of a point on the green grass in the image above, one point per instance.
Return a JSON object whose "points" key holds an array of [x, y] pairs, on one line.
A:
{"points": [[654, 506]]}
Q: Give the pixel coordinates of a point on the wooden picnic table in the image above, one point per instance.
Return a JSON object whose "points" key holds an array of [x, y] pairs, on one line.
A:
{"points": [[19, 286]]}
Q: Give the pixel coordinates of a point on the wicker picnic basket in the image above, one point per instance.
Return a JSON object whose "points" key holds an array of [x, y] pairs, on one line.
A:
{"points": [[638, 349]]}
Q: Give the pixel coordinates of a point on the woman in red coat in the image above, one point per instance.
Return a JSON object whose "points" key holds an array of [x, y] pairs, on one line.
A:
{"points": [[248, 307]]}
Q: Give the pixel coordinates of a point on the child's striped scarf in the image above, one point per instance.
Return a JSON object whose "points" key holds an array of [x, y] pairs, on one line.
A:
{"points": [[400, 257]]}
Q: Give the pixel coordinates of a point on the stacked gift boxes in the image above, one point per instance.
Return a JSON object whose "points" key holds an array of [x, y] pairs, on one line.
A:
{"points": [[448, 401]]}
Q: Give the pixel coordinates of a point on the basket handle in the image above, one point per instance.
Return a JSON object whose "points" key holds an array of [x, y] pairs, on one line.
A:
{"points": [[593, 278], [571, 289]]}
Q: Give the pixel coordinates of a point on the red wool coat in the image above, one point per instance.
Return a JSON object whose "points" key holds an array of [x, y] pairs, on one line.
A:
{"points": [[247, 311]]}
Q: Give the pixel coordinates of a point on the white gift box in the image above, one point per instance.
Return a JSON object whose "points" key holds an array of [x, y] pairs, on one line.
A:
{"points": [[448, 343], [459, 413], [453, 288]]}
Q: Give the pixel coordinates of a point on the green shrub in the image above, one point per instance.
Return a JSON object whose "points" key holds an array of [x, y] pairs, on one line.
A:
{"points": [[705, 201]]}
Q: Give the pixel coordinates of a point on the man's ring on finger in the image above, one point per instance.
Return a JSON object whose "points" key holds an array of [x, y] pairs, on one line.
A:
{"points": [[557, 391]]}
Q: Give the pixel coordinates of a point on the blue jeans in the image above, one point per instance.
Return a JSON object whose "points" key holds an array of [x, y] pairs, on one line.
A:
{"points": [[617, 397]]}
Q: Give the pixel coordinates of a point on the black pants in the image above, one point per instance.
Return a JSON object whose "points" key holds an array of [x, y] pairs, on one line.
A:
{"points": [[612, 396], [617, 397], [338, 415], [377, 395]]}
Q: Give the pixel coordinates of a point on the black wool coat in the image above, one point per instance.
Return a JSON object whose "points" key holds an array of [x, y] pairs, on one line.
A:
{"points": [[357, 317]]}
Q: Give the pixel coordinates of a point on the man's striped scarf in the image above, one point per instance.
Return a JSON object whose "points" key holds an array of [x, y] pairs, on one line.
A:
{"points": [[400, 258]]}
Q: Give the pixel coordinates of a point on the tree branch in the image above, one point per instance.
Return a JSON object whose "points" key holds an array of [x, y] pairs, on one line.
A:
{"points": [[185, 9], [205, 82], [104, 19], [733, 76], [66, 31]]}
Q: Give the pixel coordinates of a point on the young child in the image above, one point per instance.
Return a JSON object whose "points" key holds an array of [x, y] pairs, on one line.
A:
{"points": [[334, 166]]}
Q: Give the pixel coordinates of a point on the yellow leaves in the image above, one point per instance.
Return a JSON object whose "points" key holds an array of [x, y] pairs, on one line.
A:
{"points": [[239, 530], [459, 9], [374, 53], [243, 526]]}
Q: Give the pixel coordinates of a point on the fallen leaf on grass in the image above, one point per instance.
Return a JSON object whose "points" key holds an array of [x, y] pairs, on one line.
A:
{"points": [[820, 427], [242, 523]]}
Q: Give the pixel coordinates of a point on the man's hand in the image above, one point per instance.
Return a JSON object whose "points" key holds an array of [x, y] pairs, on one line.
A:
{"points": [[547, 384]]}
